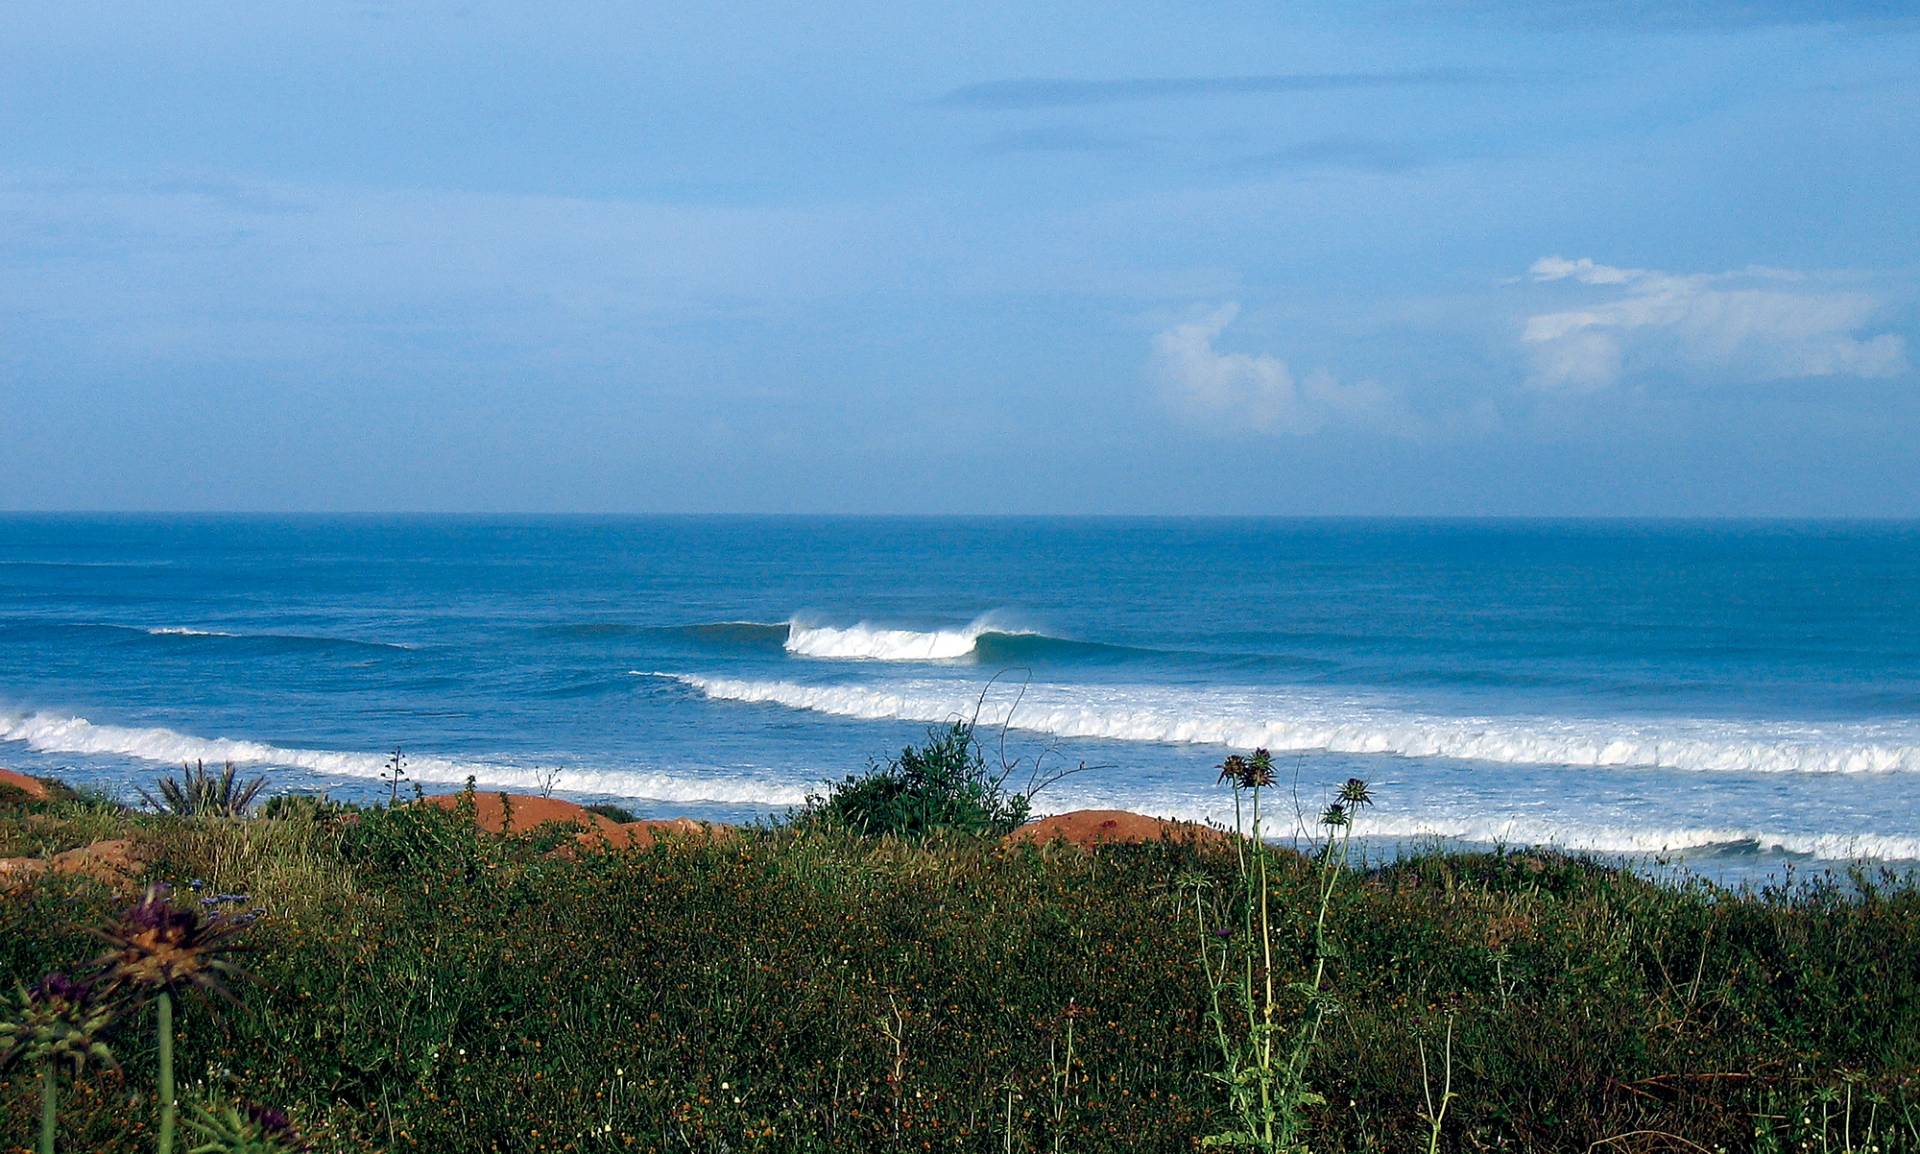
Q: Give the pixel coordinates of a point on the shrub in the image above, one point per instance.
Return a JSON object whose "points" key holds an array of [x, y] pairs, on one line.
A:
{"points": [[943, 786], [199, 793], [612, 812]]}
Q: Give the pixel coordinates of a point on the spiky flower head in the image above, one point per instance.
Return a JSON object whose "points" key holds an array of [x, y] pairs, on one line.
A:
{"points": [[1248, 772], [1355, 794], [156, 945], [246, 1129], [58, 1022], [1336, 816]]}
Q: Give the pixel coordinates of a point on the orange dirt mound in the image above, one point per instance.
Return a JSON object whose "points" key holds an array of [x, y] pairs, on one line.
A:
{"points": [[116, 862], [1088, 827], [32, 787], [528, 812], [595, 831]]}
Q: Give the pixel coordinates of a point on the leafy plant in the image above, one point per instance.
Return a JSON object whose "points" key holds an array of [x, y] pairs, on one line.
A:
{"points": [[57, 1026], [1264, 1059], [196, 792], [394, 771], [612, 812], [243, 1130], [303, 807], [942, 786]]}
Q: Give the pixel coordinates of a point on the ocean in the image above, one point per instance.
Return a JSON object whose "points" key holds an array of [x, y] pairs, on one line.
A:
{"points": [[1734, 697]]}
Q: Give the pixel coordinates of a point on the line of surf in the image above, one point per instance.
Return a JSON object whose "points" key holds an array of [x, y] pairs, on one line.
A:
{"points": [[1246, 720], [54, 733], [1572, 835]]}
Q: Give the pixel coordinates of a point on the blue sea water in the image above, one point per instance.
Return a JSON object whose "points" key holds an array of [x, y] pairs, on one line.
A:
{"points": [[1740, 695]]}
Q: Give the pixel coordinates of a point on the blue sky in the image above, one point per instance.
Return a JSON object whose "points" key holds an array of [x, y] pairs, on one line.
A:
{"points": [[1362, 257]]}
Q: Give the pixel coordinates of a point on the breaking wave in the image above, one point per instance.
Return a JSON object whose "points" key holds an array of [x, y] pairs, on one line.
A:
{"points": [[865, 642], [983, 640], [51, 733], [1303, 724]]}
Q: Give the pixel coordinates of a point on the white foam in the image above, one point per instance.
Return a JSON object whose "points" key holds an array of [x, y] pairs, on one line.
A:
{"points": [[867, 642], [49, 733], [1525, 830], [1282, 723], [183, 631]]}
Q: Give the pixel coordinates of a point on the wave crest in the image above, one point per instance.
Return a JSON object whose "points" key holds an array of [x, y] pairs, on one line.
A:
{"points": [[867, 642]]}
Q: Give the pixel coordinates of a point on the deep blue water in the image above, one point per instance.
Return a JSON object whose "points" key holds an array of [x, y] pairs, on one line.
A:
{"points": [[1743, 693]]}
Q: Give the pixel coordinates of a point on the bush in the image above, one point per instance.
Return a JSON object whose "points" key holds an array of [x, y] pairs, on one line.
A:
{"points": [[200, 793], [944, 786], [612, 812]]}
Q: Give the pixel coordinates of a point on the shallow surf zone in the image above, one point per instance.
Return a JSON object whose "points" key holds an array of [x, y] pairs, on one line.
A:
{"points": [[1395, 833], [1301, 723], [55, 733]]}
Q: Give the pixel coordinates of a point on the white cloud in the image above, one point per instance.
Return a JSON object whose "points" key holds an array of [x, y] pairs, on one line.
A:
{"points": [[1259, 392], [1761, 324]]}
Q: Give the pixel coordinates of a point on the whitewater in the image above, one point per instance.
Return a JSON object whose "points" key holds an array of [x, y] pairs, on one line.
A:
{"points": [[1243, 720]]}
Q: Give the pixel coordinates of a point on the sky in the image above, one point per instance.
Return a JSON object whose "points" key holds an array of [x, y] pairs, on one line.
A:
{"points": [[1366, 257]]}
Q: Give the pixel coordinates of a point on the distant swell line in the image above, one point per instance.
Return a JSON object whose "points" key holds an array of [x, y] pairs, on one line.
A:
{"points": [[1304, 726], [49, 733]]}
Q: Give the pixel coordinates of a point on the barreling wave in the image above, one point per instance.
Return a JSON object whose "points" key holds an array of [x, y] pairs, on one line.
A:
{"points": [[52, 733], [1303, 724], [865, 642]]}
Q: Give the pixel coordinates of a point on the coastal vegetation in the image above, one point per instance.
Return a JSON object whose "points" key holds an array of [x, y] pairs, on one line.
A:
{"points": [[406, 981]]}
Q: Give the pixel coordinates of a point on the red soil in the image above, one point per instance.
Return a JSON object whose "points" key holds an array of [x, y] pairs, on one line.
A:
{"points": [[1088, 827], [32, 787], [595, 831], [528, 812]]}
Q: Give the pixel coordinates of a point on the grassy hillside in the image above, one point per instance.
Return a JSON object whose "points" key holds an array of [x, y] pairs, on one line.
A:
{"points": [[414, 984]]}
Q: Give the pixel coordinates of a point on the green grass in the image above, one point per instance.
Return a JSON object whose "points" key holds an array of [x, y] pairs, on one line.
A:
{"points": [[417, 986]]}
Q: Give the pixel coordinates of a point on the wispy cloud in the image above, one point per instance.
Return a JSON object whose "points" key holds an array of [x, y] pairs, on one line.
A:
{"points": [[1759, 324], [1333, 152], [1240, 392], [1042, 92]]}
